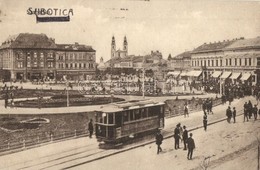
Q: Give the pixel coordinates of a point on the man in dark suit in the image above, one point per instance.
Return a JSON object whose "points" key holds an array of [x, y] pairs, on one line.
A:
{"points": [[90, 128], [185, 137], [159, 139], [191, 147], [177, 136]]}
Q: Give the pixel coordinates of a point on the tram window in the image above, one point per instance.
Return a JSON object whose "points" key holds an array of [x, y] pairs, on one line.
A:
{"points": [[144, 113], [118, 120], [131, 115], [137, 114], [110, 118], [125, 117], [104, 115]]}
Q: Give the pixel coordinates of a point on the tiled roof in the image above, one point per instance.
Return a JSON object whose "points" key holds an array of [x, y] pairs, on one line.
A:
{"points": [[217, 46], [73, 47], [185, 55], [245, 43], [27, 40]]}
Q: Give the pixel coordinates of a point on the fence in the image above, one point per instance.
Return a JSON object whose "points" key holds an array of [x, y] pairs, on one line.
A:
{"points": [[39, 139]]}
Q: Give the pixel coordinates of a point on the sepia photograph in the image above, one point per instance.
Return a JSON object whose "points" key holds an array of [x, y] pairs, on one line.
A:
{"points": [[130, 84]]}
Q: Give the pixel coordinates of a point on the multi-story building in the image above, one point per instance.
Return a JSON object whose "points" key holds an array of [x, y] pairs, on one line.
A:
{"points": [[35, 56], [28, 56], [235, 59], [75, 61]]}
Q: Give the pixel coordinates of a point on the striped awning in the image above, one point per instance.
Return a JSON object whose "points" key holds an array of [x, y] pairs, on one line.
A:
{"points": [[225, 75], [216, 74], [245, 76], [235, 75]]}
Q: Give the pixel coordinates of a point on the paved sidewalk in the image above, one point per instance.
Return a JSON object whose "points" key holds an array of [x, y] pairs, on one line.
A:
{"points": [[67, 153]]}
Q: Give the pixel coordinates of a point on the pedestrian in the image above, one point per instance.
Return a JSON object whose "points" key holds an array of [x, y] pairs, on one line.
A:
{"points": [[204, 106], [177, 136], [255, 109], [186, 110], [185, 137], [250, 109], [6, 100], [245, 111], [228, 114], [159, 139], [234, 114], [191, 147], [90, 128], [210, 106], [205, 121]]}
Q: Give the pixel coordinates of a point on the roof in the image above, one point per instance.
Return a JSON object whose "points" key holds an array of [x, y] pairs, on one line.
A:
{"points": [[28, 40], [75, 47], [245, 43], [184, 55], [217, 46], [128, 105]]}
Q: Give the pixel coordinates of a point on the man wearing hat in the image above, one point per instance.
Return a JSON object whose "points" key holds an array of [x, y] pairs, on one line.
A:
{"points": [[255, 109], [191, 147], [185, 137], [234, 114], [177, 136], [159, 139]]}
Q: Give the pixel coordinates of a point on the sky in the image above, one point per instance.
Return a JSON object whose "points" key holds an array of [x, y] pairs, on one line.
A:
{"points": [[170, 26]]}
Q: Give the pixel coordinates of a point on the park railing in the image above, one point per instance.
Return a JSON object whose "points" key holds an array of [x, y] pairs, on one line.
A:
{"points": [[39, 139]]}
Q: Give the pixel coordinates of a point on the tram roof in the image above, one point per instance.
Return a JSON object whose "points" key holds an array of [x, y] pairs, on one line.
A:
{"points": [[128, 105]]}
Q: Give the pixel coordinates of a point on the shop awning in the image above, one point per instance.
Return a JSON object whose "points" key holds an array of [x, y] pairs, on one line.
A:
{"points": [[197, 73], [245, 76], [174, 73], [194, 73], [225, 75], [216, 74], [184, 73], [235, 75]]}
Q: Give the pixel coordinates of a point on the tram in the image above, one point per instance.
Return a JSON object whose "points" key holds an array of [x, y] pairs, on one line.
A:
{"points": [[118, 123]]}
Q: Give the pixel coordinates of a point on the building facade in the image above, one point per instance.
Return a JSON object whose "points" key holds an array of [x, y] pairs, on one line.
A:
{"points": [[36, 57]]}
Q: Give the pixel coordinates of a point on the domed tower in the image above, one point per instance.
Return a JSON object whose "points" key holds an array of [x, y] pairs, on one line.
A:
{"points": [[125, 45], [113, 47]]}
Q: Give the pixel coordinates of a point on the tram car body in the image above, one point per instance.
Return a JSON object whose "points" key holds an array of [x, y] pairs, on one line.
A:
{"points": [[118, 123]]}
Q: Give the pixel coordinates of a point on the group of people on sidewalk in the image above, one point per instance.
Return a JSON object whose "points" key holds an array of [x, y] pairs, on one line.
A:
{"points": [[180, 134]]}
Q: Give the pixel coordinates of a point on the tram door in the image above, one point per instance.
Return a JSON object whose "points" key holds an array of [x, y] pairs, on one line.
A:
{"points": [[161, 116]]}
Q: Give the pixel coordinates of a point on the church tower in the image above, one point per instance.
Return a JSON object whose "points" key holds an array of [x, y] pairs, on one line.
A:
{"points": [[113, 47], [125, 46]]}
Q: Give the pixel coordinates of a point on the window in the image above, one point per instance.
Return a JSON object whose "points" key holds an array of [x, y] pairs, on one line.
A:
{"points": [[41, 64], [245, 61], [35, 55], [41, 56], [230, 62], [217, 63], [249, 62], [220, 62], [20, 64], [235, 61], [50, 55], [71, 65], [208, 63], [125, 117], [50, 64], [240, 62], [35, 64], [258, 61], [28, 63], [226, 62], [212, 63], [200, 62], [28, 56], [66, 65], [137, 114]]}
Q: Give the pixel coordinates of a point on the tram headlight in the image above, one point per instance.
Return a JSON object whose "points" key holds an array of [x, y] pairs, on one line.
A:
{"points": [[104, 114]]}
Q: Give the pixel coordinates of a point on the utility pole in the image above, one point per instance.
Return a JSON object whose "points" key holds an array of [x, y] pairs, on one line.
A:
{"points": [[143, 76]]}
